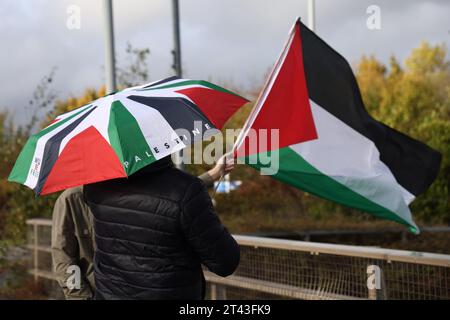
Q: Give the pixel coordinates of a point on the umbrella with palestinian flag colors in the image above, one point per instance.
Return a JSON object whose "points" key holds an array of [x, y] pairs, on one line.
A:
{"points": [[116, 135], [328, 143]]}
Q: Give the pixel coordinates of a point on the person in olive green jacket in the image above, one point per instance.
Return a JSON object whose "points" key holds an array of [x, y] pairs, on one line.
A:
{"points": [[73, 242]]}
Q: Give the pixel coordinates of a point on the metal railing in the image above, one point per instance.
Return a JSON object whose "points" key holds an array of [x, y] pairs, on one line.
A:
{"points": [[39, 243], [274, 268], [286, 269]]}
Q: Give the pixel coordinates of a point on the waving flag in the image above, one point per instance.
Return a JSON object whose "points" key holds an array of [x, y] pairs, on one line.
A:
{"points": [[328, 144]]}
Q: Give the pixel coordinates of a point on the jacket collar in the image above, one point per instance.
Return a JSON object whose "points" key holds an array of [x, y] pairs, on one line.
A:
{"points": [[156, 166]]}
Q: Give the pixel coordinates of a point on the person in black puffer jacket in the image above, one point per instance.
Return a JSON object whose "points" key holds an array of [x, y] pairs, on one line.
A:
{"points": [[153, 230]]}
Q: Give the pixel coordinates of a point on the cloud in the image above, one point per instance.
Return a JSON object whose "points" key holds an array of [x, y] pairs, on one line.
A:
{"points": [[232, 41]]}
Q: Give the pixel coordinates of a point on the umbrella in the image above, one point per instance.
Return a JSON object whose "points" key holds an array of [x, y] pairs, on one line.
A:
{"points": [[116, 135]]}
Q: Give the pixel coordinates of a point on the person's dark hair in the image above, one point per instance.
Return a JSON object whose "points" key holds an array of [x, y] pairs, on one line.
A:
{"points": [[155, 166]]}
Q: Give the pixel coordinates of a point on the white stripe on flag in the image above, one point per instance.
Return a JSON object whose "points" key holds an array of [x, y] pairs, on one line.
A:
{"points": [[351, 159]]}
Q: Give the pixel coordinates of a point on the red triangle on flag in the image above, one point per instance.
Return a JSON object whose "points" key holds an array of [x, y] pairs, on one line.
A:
{"points": [[284, 104]]}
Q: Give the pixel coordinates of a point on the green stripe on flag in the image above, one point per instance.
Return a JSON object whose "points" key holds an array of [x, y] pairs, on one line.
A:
{"points": [[296, 171], [21, 168], [192, 82], [127, 139]]}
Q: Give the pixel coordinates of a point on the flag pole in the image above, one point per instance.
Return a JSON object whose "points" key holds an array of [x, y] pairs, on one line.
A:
{"points": [[263, 94], [217, 186], [312, 15]]}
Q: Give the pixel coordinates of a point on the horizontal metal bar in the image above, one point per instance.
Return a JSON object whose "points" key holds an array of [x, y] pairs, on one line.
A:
{"points": [[39, 248], [40, 222], [343, 232], [278, 289], [425, 258], [43, 274]]}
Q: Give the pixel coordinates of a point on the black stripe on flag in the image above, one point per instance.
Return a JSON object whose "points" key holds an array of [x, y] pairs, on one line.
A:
{"points": [[332, 85], [51, 151]]}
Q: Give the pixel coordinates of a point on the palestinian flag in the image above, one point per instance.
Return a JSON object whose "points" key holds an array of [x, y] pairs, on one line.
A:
{"points": [[328, 144], [119, 134]]}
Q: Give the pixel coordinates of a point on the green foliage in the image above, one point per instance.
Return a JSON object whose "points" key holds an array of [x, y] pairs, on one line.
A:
{"points": [[416, 101], [42, 101], [62, 106], [135, 72], [18, 203]]}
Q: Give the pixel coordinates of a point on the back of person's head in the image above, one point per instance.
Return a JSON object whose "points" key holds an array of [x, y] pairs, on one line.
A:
{"points": [[156, 166]]}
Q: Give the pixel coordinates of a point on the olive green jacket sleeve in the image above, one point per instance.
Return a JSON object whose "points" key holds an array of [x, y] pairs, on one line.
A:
{"points": [[72, 243]]}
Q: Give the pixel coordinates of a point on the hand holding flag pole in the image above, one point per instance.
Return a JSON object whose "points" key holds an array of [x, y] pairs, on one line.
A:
{"points": [[224, 165]]}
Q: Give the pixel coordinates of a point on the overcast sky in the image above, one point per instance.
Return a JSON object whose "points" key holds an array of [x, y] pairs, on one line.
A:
{"points": [[223, 40]]}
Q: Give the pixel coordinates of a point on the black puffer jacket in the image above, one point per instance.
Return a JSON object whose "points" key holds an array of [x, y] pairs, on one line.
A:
{"points": [[152, 232]]}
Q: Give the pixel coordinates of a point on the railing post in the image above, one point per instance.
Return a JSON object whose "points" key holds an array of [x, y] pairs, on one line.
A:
{"points": [[218, 292], [35, 252], [213, 291]]}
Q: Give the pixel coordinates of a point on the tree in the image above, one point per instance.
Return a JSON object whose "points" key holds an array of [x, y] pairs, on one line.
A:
{"points": [[16, 202], [135, 72], [416, 101]]}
